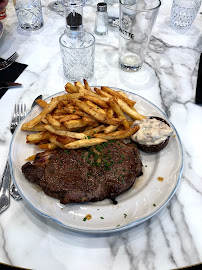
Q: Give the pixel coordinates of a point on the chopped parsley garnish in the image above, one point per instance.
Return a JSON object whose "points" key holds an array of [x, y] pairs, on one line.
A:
{"points": [[154, 204], [101, 217], [125, 215], [84, 219]]}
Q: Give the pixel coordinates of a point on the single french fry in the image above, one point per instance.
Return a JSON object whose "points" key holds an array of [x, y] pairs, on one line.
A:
{"points": [[69, 117], [90, 127], [49, 146], [58, 117], [110, 113], [93, 131], [41, 102], [121, 134], [53, 139], [78, 123], [44, 120], [114, 105], [70, 134], [123, 94], [60, 111], [81, 91], [70, 88], [130, 122], [70, 96], [110, 129], [118, 95], [102, 93], [96, 100], [91, 93], [37, 141], [38, 136], [87, 85], [31, 158], [39, 127], [133, 109], [96, 107], [133, 114], [113, 121], [49, 108], [90, 110], [52, 120], [84, 143], [60, 104], [79, 84], [65, 140]]}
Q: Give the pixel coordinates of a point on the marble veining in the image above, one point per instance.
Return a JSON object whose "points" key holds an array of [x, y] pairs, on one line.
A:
{"points": [[170, 239]]}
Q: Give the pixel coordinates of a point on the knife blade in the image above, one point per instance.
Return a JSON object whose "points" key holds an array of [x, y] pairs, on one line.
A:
{"points": [[9, 84], [34, 103], [198, 97]]}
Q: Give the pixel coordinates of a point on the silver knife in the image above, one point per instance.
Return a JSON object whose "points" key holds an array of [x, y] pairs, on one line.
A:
{"points": [[9, 84]]}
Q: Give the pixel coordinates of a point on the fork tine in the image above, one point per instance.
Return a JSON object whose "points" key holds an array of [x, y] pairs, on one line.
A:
{"points": [[13, 55], [5, 61], [24, 113], [22, 110], [13, 121], [10, 60], [17, 114]]}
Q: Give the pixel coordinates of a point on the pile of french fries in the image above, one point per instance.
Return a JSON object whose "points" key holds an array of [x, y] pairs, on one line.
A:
{"points": [[82, 118]]}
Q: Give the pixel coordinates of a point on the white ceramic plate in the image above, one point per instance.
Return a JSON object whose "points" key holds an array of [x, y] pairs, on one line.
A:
{"points": [[141, 202]]}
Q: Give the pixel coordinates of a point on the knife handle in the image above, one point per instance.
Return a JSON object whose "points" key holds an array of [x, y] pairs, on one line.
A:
{"points": [[198, 97]]}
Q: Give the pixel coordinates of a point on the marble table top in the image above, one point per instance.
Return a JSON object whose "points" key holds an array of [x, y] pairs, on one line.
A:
{"points": [[170, 239]]}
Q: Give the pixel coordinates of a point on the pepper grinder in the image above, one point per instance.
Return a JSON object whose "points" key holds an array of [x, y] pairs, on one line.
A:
{"points": [[101, 21]]}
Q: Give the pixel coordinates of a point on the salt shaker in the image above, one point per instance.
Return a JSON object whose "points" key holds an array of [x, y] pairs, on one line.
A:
{"points": [[101, 22]]}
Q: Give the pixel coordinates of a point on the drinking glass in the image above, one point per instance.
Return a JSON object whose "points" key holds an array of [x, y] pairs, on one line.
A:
{"points": [[113, 12], [137, 18], [29, 14], [77, 50], [56, 6], [183, 13]]}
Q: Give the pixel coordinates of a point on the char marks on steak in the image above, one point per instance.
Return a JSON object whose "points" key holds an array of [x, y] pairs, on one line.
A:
{"points": [[86, 175]]}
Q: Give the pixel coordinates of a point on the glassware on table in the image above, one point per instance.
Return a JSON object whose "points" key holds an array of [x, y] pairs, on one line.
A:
{"points": [[77, 46], [137, 18], [101, 20], [29, 14], [113, 12], [57, 6], [183, 13]]}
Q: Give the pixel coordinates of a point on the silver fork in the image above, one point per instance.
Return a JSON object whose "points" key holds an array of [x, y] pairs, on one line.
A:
{"points": [[18, 114], [6, 63]]}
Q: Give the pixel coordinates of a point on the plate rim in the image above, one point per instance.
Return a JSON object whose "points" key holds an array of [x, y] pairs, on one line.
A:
{"points": [[117, 229]]}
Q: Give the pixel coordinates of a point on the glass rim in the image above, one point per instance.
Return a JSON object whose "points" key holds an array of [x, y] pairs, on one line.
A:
{"points": [[65, 46], [142, 10]]}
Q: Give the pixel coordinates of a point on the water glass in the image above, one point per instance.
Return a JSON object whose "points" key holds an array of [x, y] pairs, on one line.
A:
{"points": [[29, 14], [113, 12], [183, 13], [137, 18], [77, 50]]}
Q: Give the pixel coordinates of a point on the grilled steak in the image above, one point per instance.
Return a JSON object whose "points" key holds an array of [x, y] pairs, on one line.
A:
{"points": [[83, 175]]}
